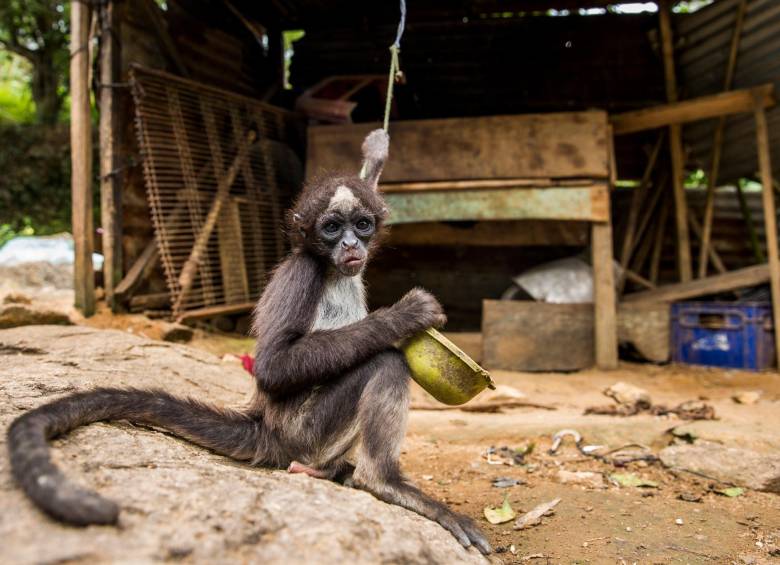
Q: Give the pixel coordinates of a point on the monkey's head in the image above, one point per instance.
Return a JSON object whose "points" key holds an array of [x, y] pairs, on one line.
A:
{"points": [[341, 218]]}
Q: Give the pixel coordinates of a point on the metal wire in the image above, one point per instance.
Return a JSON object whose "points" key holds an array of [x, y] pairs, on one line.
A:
{"points": [[190, 136]]}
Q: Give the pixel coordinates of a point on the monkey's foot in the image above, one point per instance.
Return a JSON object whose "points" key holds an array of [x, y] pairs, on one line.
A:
{"points": [[296, 467]]}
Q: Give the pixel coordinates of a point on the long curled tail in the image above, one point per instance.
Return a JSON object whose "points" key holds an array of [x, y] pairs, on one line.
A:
{"points": [[225, 431]]}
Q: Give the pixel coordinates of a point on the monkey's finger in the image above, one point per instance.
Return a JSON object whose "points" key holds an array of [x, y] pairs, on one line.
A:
{"points": [[475, 535], [450, 524]]}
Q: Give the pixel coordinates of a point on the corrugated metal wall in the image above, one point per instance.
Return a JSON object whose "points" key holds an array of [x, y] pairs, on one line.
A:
{"points": [[703, 45]]}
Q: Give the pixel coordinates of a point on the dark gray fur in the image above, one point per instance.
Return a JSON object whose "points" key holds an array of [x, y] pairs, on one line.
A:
{"points": [[321, 393]]}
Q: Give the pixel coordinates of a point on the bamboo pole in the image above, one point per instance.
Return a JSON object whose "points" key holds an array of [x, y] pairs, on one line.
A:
{"points": [[770, 218], [675, 144], [717, 145], [81, 159]]}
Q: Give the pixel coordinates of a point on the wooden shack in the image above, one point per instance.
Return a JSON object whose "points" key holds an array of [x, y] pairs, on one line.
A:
{"points": [[514, 126]]}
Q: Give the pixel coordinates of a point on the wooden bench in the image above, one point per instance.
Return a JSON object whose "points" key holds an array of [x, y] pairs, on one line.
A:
{"points": [[520, 167]]}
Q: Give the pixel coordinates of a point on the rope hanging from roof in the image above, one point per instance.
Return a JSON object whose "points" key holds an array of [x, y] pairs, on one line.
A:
{"points": [[395, 73]]}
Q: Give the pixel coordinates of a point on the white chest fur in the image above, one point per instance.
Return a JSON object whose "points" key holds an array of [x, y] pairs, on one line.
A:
{"points": [[343, 302]]}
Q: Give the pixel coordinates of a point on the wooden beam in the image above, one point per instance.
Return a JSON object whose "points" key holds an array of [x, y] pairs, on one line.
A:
{"points": [[554, 203], [81, 159], [717, 145], [214, 311], [770, 214], [713, 255], [637, 198], [604, 296], [658, 244], [138, 273], [733, 280], [110, 180], [675, 145], [446, 185], [755, 244], [703, 108]]}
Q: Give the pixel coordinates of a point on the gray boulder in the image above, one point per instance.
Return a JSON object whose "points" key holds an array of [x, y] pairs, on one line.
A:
{"points": [[180, 502]]}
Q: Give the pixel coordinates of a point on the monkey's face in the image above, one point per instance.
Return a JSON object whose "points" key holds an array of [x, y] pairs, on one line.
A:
{"points": [[345, 231]]}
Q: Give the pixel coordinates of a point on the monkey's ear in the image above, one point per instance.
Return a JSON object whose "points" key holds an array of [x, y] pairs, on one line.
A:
{"points": [[375, 149]]}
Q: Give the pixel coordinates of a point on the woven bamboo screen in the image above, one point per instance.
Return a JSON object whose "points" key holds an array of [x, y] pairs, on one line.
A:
{"points": [[219, 170]]}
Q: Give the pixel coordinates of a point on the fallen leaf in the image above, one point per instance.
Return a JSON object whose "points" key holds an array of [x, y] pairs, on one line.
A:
{"points": [[534, 517], [731, 492], [631, 480], [501, 514]]}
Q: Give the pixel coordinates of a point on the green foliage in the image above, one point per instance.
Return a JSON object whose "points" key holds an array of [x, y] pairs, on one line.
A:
{"points": [[35, 185], [37, 30], [16, 103]]}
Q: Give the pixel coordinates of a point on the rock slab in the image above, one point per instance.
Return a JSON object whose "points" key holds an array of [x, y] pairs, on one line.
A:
{"points": [[180, 502], [739, 466]]}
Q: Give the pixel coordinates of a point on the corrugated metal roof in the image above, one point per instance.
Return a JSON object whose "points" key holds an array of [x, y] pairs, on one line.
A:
{"points": [[704, 39]]}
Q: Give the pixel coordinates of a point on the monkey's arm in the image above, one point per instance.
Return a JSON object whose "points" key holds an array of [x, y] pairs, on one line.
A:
{"points": [[290, 358]]}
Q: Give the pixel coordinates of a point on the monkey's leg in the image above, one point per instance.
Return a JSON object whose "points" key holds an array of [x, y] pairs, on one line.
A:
{"points": [[381, 417], [296, 467]]}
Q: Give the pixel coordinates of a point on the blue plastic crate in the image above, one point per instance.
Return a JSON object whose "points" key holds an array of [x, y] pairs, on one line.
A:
{"points": [[723, 334]]}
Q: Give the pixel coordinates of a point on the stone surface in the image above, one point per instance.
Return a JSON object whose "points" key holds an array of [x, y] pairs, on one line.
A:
{"points": [[180, 502], [624, 393], [14, 315], [742, 467]]}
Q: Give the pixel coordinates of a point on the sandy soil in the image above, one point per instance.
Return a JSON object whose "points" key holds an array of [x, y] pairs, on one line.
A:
{"points": [[444, 454]]}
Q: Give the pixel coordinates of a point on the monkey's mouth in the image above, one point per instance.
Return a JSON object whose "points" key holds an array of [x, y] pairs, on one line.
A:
{"points": [[351, 263]]}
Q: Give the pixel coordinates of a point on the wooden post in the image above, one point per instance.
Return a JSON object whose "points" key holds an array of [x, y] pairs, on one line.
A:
{"points": [[717, 145], [604, 294], [81, 158], [770, 218], [605, 313], [110, 180], [675, 144]]}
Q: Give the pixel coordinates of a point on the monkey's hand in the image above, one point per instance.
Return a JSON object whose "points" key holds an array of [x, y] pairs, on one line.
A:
{"points": [[419, 310]]}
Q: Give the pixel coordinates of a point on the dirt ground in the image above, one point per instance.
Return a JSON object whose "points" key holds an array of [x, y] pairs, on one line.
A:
{"points": [[445, 454]]}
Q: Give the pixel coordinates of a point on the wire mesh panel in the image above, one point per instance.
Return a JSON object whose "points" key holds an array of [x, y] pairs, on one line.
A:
{"points": [[220, 170]]}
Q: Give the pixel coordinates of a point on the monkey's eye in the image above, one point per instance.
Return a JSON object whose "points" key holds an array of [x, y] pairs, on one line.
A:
{"points": [[363, 224], [331, 227]]}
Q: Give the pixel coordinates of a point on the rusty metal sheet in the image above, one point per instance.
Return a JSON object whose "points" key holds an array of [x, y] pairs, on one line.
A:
{"points": [[550, 203]]}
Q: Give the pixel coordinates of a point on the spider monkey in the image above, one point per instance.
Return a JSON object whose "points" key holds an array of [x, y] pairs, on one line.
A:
{"points": [[329, 378]]}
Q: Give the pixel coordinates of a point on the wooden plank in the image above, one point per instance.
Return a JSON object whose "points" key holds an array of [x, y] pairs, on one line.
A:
{"points": [[214, 311], [523, 146], [717, 145], [733, 280], [510, 233], [391, 188], [604, 296], [81, 159], [703, 108], [770, 214], [533, 336], [138, 273], [555, 203], [110, 180]]}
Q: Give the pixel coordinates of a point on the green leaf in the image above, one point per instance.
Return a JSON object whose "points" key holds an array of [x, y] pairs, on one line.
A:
{"points": [[631, 480], [730, 491], [499, 515]]}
